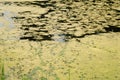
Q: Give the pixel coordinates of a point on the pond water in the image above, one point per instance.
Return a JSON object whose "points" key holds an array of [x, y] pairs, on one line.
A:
{"points": [[59, 40]]}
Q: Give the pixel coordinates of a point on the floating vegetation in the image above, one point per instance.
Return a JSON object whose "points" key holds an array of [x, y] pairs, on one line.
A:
{"points": [[2, 71]]}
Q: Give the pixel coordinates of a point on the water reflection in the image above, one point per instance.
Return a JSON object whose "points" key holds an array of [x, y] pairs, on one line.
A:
{"points": [[1, 24], [7, 25], [59, 37], [8, 17]]}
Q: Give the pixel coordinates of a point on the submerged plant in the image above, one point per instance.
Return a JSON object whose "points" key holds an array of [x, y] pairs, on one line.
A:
{"points": [[2, 72], [69, 74]]}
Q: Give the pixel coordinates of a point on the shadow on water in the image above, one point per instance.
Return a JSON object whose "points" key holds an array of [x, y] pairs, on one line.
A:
{"points": [[112, 29], [43, 4], [59, 37]]}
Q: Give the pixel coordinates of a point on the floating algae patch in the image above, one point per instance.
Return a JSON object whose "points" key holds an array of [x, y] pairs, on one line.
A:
{"points": [[63, 61]]}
